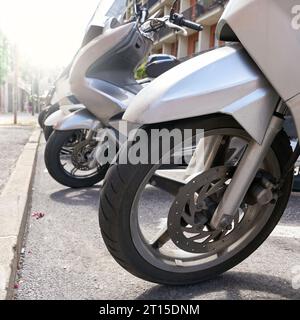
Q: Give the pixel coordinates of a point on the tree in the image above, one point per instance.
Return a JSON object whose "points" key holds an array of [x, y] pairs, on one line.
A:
{"points": [[141, 72], [4, 57]]}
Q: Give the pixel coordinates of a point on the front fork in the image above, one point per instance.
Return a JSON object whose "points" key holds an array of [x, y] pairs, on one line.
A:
{"points": [[246, 172]]}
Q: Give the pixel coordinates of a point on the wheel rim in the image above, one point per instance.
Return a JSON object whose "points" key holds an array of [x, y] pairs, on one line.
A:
{"points": [[75, 157], [169, 257]]}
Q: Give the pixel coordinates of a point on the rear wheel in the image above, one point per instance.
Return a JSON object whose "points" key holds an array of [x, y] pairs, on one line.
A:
{"points": [[68, 158], [163, 235]]}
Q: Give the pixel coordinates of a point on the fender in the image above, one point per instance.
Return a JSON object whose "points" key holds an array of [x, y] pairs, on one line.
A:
{"points": [[59, 115], [81, 119], [224, 80]]}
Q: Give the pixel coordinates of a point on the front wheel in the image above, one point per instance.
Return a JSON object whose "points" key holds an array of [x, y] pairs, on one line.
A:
{"points": [[157, 227], [48, 130], [68, 157], [41, 118]]}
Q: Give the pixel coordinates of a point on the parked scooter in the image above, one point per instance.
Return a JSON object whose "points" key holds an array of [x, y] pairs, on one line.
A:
{"points": [[61, 101], [60, 94], [204, 223], [43, 114], [102, 78]]}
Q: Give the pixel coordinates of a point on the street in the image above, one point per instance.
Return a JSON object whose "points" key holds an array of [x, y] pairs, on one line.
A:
{"points": [[196, 103], [65, 257]]}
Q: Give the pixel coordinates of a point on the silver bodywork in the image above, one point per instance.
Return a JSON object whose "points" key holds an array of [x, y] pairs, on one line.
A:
{"points": [[83, 117], [63, 111], [82, 85], [221, 81], [100, 92], [265, 28], [252, 82], [269, 31]]}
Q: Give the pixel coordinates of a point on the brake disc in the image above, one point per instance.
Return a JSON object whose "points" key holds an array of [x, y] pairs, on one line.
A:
{"points": [[193, 208], [81, 156]]}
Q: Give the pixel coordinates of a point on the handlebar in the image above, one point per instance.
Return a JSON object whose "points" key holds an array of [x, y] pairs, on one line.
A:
{"points": [[180, 20], [174, 21]]}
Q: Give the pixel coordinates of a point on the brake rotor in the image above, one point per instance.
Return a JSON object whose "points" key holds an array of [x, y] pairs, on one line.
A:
{"points": [[75, 138], [81, 156], [193, 208]]}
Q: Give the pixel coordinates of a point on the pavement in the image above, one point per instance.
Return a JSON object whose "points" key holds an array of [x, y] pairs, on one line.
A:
{"points": [[64, 256], [12, 142], [23, 119], [18, 145]]}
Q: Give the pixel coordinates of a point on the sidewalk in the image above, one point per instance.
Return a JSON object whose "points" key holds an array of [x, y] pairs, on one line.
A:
{"points": [[18, 146], [12, 142], [24, 119]]}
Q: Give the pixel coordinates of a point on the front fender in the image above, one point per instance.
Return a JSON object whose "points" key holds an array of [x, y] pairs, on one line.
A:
{"points": [[81, 119], [54, 118], [225, 80], [59, 115]]}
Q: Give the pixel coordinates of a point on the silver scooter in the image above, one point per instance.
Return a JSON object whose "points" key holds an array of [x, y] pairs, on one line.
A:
{"points": [[102, 79], [213, 214], [62, 102]]}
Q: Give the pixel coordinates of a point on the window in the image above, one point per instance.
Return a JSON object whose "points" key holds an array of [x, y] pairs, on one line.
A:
{"points": [[214, 42], [174, 48], [193, 44]]}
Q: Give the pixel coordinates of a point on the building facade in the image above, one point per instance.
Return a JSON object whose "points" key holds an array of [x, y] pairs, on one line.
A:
{"points": [[7, 96], [206, 12]]}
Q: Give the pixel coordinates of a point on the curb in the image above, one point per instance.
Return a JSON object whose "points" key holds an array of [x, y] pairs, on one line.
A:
{"points": [[13, 214]]}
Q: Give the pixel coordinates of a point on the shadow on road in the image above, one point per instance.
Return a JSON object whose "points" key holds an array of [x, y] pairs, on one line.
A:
{"points": [[292, 212], [230, 284], [77, 197]]}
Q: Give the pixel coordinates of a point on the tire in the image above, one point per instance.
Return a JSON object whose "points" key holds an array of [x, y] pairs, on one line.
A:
{"points": [[41, 118], [51, 110], [296, 186], [118, 194], [52, 160], [48, 130]]}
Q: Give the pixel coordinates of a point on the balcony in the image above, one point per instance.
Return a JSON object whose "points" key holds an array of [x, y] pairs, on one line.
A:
{"points": [[151, 3], [201, 8], [164, 32]]}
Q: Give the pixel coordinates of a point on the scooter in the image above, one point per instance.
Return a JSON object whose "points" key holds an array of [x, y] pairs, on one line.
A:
{"points": [[59, 108], [224, 205], [43, 114], [102, 79], [61, 102]]}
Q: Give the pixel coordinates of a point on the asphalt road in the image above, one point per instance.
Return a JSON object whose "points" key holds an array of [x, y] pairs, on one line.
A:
{"points": [[65, 257], [12, 142]]}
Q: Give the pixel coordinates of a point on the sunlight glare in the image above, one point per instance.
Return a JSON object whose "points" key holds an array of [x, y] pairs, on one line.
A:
{"points": [[47, 32]]}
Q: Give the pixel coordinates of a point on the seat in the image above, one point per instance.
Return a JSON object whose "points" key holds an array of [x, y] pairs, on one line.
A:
{"points": [[158, 64]]}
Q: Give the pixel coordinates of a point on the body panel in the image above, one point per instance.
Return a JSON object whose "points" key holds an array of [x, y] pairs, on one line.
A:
{"points": [[268, 31], [81, 119], [225, 80], [102, 76], [59, 115], [294, 105]]}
